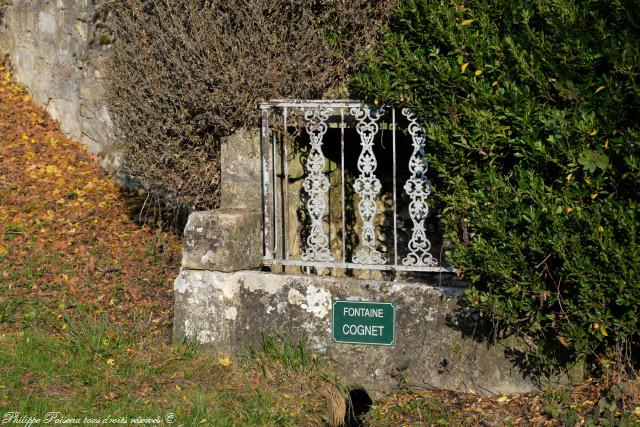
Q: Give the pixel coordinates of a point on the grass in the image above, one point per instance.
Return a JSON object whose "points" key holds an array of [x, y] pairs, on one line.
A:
{"points": [[98, 370], [430, 411], [589, 404]]}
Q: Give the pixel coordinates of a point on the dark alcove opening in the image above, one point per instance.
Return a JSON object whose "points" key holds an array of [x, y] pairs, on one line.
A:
{"points": [[358, 404]]}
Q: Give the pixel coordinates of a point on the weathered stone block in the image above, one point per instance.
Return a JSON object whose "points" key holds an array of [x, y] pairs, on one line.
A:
{"points": [[226, 312], [223, 240], [240, 169]]}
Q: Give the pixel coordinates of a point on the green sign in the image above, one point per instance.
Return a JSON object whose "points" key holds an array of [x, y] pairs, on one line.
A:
{"points": [[364, 322]]}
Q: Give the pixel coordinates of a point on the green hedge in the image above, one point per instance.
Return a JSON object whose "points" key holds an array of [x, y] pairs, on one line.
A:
{"points": [[532, 114]]}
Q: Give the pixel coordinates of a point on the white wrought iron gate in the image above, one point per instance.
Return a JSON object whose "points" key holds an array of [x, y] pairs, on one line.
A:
{"points": [[327, 228]]}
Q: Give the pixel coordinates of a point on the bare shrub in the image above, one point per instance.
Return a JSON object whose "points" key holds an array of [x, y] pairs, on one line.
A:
{"points": [[185, 73]]}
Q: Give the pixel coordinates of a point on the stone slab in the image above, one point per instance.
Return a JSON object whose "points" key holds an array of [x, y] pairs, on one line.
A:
{"points": [[223, 240], [240, 169], [227, 312]]}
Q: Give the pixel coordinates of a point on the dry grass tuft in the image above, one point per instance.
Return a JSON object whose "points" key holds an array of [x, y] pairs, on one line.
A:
{"points": [[336, 404]]}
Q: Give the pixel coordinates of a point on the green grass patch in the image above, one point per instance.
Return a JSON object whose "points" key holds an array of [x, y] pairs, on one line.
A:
{"points": [[97, 370]]}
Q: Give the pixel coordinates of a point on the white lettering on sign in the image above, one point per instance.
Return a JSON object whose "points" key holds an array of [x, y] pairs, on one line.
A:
{"points": [[374, 331], [362, 312]]}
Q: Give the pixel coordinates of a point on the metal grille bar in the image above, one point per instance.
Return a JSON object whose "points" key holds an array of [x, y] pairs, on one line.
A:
{"points": [[353, 266]]}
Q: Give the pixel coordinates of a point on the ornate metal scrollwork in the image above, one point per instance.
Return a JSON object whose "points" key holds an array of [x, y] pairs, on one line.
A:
{"points": [[367, 185], [316, 184], [418, 187]]}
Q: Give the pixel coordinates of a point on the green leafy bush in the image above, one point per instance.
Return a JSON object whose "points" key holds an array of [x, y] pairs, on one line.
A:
{"points": [[532, 115], [187, 73]]}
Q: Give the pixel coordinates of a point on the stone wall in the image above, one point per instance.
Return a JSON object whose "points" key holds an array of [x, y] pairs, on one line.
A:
{"points": [[227, 312], [58, 50]]}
